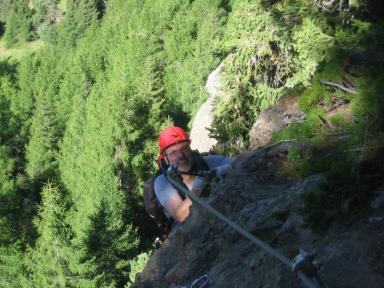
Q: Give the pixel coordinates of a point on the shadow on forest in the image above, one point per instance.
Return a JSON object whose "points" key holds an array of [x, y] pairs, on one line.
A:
{"points": [[2, 29], [176, 113]]}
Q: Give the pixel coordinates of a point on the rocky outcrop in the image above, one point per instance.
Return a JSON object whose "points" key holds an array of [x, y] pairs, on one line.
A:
{"points": [[265, 204], [276, 118], [200, 133]]}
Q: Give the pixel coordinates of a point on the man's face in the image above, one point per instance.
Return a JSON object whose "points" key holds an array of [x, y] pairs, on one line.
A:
{"points": [[181, 155]]}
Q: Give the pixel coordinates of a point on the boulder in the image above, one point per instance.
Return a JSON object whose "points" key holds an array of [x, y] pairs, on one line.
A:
{"points": [[202, 123], [276, 118]]}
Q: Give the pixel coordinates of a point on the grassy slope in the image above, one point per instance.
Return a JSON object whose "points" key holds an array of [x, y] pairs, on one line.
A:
{"points": [[21, 51]]}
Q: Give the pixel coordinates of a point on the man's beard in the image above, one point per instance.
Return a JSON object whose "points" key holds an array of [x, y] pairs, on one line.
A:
{"points": [[184, 164]]}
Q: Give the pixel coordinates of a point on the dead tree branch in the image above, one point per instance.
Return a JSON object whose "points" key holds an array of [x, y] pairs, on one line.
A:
{"points": [[341, 87]]}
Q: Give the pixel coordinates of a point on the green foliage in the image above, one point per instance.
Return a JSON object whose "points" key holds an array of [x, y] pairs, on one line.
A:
{"points": [[318, 93], [10, 35], [79, 16], [346, 59], [11, 159], [23, 104], [266, 60], [41, 149], [5, 8], [351, 38], [7, 165], [86, 110], [27, 20], [18, 24], [137, 265], [7, 120], [54, 261], [109, 245], [312, 46], [191, 45], [344, 194], [348, 188], [46, 13], [10, 266]]}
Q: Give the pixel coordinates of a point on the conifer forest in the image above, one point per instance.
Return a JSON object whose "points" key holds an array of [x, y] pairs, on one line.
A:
{"points": [[87, 85]]}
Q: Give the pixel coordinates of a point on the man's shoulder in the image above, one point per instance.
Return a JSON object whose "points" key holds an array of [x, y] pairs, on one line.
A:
{"points": [[213, 156], [160, 180], [161, 184], [216, 160], [163, 189]]}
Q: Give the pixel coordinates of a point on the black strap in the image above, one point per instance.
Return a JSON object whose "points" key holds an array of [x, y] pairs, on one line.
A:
{"points": [[198, 164], [164, 167]]}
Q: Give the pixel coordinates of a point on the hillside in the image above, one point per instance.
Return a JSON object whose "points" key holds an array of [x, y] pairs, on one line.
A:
{"points": [[80, 115]]}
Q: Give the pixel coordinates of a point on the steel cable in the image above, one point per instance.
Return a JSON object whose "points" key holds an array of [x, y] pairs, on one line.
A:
{"points": [[267, 248]]}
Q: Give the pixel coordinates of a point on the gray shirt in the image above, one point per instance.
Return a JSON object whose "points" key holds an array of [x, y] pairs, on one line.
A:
{"points": [[164, 190]]}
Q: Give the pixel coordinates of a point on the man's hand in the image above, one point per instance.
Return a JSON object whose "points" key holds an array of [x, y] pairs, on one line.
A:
{"points": [[217, 172]]}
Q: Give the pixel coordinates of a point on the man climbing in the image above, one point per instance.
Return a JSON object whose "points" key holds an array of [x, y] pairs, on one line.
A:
{"points": [[175, 149]]}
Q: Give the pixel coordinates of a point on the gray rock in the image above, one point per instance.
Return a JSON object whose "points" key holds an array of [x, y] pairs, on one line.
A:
{"points": [[310, 184], [350, 256], [276, 118], [202, 123], [378, 200], [376, 220]]}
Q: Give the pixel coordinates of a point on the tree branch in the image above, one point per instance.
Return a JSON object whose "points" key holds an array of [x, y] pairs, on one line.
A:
{"points": [[341, 87]]}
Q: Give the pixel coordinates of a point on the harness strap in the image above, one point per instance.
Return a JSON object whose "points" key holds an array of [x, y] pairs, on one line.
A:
{"points": [[199, 164]]}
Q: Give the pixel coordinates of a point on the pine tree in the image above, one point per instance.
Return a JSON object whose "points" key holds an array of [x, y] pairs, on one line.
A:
{"points": [[5, 8], [55, 261], [10, 266], [45, 17], [12, 237], [7, 163], [192, 44], [11, 30], [23, 104], [41, 150], [80, 15], [42, 147], [18, 24], [109, 244]]}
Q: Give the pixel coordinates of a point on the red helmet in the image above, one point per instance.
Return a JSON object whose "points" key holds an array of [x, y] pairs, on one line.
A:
{"points": [[171, 136]]}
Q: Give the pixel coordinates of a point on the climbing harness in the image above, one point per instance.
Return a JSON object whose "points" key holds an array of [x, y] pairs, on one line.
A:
{"points": [[202, 282], [302, 263]]}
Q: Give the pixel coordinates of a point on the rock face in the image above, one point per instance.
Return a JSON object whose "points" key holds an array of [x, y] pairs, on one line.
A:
{"points": [[284, 113], [201, 139], [350, 255]]}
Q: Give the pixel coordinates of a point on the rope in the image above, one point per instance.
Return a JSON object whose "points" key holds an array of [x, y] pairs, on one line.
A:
{"points": [[267, 248]]}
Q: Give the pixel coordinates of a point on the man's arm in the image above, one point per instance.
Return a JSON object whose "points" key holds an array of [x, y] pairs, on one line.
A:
{"points": [[181, 207], [178, 208], [170, 199]]}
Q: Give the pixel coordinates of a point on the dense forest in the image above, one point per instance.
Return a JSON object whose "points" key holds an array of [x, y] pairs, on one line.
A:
{"points": [[80, 115]]}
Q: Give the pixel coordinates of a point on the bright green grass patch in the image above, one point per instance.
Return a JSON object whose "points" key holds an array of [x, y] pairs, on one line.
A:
{"points": [[63, 5], [19, 52]]}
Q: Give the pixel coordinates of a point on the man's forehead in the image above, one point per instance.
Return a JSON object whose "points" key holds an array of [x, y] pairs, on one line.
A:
{"points": [[177, 146]]}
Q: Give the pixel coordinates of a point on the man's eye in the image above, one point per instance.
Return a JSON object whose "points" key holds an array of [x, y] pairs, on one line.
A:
{"points": [[181, 150], [185, 149]]}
